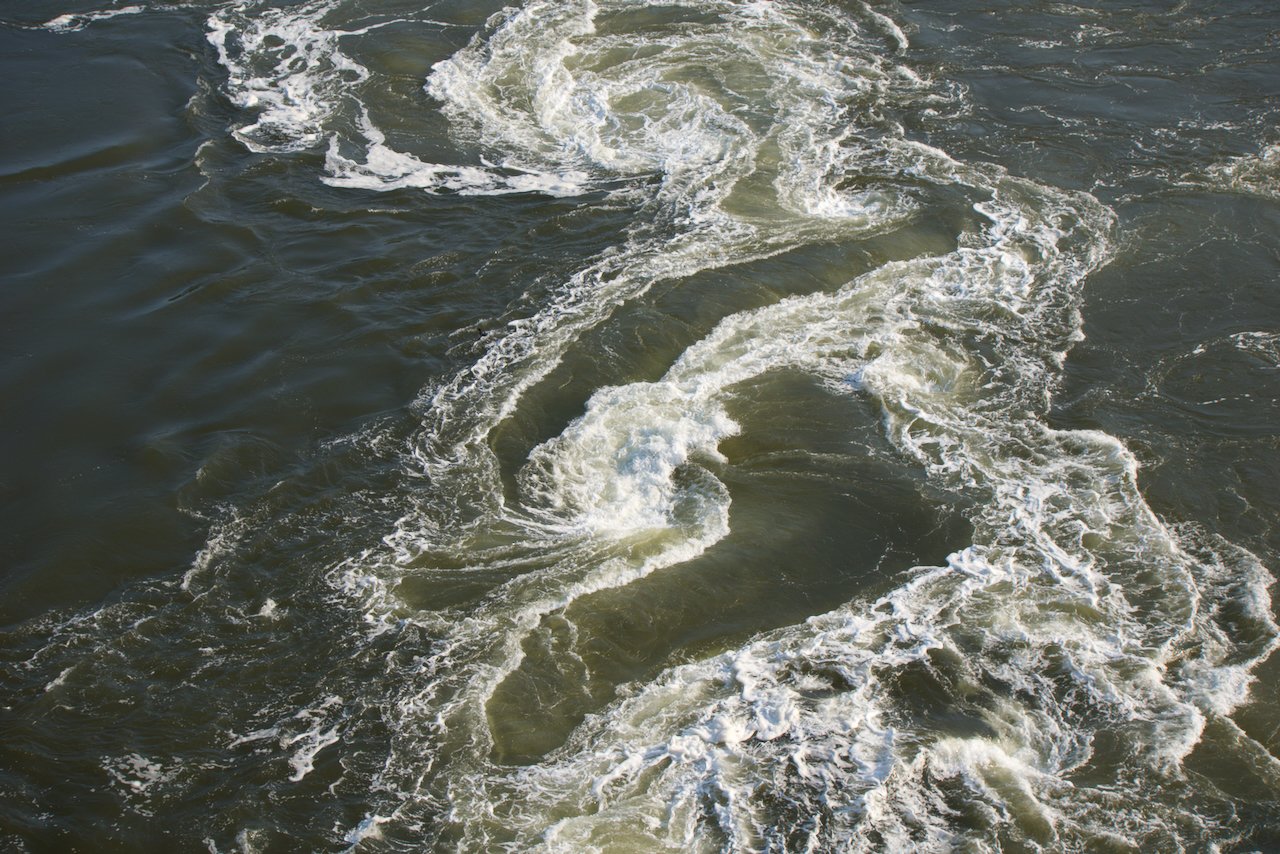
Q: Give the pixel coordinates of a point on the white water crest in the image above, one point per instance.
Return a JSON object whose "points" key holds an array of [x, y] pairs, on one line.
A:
{"points": [[1257, 175], [72, 23], [1075, 620]]}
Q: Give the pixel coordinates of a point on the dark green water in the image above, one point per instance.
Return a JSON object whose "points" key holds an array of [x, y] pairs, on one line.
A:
{"points": [[639, 427]]}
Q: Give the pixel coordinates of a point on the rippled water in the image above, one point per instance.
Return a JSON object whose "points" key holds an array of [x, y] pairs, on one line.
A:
{"points": [[619, 426]]}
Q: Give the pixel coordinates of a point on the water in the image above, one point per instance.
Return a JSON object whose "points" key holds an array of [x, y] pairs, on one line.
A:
{"points": [[634, 427]]}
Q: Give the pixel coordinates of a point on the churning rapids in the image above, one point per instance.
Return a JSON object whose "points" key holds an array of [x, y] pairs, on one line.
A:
{"points": [[1040, 688]]}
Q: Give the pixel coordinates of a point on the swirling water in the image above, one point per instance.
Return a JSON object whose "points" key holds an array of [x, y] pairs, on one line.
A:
{"points": [[620, 426]]}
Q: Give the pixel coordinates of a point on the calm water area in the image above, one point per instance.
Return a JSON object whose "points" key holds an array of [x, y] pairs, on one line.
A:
{"points": [[632, 427]]}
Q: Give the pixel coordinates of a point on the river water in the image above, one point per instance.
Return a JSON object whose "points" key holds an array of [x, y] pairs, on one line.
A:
{"points": [[631, 427]]}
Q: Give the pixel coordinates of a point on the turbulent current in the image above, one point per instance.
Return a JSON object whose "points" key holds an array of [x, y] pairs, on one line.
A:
{"points": [[738, 511]]}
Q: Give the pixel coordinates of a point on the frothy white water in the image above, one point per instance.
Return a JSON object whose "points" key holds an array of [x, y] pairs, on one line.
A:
{"points": [[1075, 621], [1070, 619], [1256, 175], [71, 23], [563, 90], [287, 69], [384, 168], [563, 97], [1264, 345]]}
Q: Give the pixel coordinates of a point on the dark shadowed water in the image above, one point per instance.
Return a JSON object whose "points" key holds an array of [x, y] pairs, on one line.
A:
{"points": [[636, 427]]}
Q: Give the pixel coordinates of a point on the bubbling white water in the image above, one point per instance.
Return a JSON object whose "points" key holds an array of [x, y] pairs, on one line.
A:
{"points": [[71, 23], [1257, 175], [1075, 618], [285, 67], [1074, 598], [696, 117]]}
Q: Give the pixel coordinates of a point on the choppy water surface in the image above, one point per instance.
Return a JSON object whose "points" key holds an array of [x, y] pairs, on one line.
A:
{"points": [[621, 426]]}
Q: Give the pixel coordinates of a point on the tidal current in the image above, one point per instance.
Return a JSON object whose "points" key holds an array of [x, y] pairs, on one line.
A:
{"points": [[631, 427]]}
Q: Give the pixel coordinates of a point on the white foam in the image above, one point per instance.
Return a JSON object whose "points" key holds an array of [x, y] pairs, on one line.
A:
{"points": [[369, 828], [1256, 174], [736, 134], [382, 168], [303, 760], [564, 117], [319, 732], [71, 23], [704, 734], [60, 679], [576, 493], [286, 68], [1264, 345], [224, 535], [304, 735]]}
